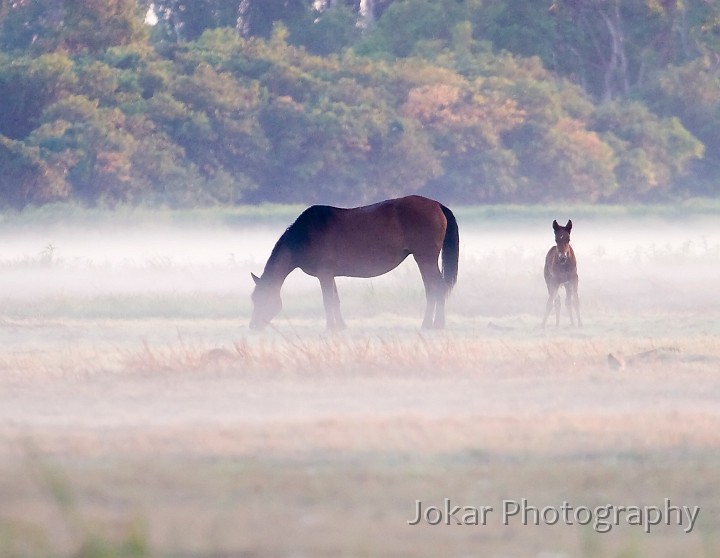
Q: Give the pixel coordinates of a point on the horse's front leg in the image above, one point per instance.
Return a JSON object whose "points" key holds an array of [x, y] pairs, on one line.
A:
{"points": [[557, 309], [573, 286], [339, 322], [552, 297], [331, 302], [570, 302]]}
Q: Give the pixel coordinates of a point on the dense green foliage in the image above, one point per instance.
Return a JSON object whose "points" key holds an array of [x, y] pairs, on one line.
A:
{"points": [[469, 101]]}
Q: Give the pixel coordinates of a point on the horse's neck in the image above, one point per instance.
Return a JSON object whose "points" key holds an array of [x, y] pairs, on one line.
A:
{"points": [[278, 266]]}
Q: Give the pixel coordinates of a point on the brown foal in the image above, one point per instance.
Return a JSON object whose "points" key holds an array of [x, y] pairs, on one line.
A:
{"points": [[561, 270]]}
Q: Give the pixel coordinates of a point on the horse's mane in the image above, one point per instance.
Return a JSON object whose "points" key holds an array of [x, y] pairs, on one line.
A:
{"points": [[297, 236]]}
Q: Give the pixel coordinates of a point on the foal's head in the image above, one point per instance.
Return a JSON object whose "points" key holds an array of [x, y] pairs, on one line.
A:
{"points": [[266, 302], [562, 240]]}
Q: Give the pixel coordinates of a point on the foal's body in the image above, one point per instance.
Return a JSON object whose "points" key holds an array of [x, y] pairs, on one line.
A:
{"points": [[561, 270], [327, 242]]}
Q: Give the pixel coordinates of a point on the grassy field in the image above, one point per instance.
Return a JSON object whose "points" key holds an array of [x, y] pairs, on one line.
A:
{"points": [[140, 417]]}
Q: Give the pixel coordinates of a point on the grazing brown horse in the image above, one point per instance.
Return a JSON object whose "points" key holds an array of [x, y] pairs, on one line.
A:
{"points": [[561, 270], [327, 242]]}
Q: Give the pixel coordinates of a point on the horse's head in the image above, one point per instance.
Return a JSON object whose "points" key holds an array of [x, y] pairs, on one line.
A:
{"points": [[562, 240], [266, 302]]}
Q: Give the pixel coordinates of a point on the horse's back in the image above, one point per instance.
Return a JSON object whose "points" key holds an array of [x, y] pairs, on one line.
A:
{"points": [[405, 220], [417, 206], [422, 220], [370, 240]]}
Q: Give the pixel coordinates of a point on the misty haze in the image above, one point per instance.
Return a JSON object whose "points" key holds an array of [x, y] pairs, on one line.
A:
{"points": [[125, 340], [628, 266], [153, 152]]}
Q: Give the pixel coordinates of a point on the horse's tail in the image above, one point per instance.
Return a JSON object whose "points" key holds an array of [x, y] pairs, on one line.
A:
{"points": [[450, 249]]}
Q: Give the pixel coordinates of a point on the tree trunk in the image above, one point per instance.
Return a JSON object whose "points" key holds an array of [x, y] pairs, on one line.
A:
{"points": [[367, 14], [616, 71]]}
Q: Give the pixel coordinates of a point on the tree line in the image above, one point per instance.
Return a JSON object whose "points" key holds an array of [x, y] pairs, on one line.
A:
{"points": [[471, 101]]}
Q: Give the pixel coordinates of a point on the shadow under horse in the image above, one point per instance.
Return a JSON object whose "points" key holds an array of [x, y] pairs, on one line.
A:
{"points": [[327, 242], [561, 270]]}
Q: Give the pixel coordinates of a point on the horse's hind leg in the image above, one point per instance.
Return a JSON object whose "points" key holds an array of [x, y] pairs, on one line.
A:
{"points": [[434, 292], [439, 322]]}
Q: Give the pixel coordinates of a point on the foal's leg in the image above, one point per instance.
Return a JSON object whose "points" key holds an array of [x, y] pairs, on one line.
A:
{"points": [[570, 302], [557, 308], [552, 297], [331, 301], [573, 286], [434, 292]]}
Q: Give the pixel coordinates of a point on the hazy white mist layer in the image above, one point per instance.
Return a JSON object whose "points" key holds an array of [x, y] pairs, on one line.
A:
{"points": [[623, 263]]}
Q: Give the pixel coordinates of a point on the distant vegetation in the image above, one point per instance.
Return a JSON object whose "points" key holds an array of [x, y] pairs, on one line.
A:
{"points": [[475, 101]]}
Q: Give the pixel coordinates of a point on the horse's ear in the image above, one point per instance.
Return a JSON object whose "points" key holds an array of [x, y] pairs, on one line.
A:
{"points": [[256, 279], [555, 225], [569, 225]]}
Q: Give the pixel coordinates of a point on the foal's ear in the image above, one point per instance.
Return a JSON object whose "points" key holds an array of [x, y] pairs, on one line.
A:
{"points": [[568, 227], [255, 277], [555, 226]]}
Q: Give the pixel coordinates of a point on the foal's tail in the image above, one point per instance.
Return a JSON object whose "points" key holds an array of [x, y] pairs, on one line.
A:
{"points": [[450, 249]]}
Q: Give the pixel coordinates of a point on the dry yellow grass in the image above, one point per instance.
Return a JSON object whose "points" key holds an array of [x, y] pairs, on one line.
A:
{"points": [[296, 442]]}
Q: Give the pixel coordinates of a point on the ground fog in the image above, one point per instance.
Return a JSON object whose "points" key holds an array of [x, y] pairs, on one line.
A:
{"points": [[138, 409]]}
